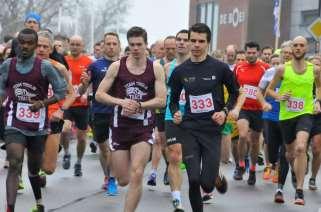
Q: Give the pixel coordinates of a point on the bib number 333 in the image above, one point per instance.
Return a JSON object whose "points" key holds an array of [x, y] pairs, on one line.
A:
{"points": [[202, 103]]}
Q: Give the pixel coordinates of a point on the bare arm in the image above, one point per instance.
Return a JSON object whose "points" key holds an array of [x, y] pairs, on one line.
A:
{"points": [[270, 91], [159, 101], [317, 82]]}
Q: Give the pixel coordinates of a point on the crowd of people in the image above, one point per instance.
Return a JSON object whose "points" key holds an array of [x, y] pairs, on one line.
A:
{"points": [[173, 100]]}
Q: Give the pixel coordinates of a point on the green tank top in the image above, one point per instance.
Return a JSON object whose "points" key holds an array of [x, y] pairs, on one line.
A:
{"points": [[301, 88]]}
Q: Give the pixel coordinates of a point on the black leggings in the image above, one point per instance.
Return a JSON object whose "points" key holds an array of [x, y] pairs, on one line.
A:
{"points": [[201, 154], [273, 137]]}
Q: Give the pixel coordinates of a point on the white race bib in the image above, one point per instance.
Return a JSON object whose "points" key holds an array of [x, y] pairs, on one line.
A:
{"points": [[182, 99], [202, 103], [23, 113], [295, 105], [250, 91], [137, 116]]}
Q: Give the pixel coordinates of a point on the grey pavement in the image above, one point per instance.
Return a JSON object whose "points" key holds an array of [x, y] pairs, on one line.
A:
{"points": [[66, 193]]}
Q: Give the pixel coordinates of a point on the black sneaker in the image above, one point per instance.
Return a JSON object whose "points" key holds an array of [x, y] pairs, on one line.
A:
{"points": [[299, 197], [66, 161], [312, 185], [78, 172], [238, 173], [293, 179], [93, 147], [278, 197], [207, 198], [165, 179], [178, 207], [152, 179], [260, 159], [252, 178]]}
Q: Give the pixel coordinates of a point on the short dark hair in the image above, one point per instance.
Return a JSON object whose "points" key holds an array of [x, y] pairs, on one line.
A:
{"points": [[252, 44], [137, 32], [28, 31], [266, 47], [201, 28], [183, 31], [111, 34], [170, 37], [240, 52]]}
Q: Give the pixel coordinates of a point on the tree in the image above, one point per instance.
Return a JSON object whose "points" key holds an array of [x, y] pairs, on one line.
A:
{"points": [[106, 15]]}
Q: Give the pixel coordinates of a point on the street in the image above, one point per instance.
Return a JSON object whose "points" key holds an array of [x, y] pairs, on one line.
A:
{"points": [[66, 193]]}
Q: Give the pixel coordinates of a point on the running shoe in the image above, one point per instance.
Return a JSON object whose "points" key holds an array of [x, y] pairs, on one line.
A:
{"points": [[278, 197], [178, 207], [112, 189], [38, 208], [312, 184], [207, 198], [21, 185], [221, 184], [93, 147], [152, 179], [267, 173], [78, 172], [238, 173], [66, 161], [43, 179], [165, 179], [275, 176], [299, 197], [105, 184], [252, 178], [260, 159]]}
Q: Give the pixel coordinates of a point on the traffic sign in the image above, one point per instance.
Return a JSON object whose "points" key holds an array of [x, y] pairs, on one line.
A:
{"points": [[315, 29]]}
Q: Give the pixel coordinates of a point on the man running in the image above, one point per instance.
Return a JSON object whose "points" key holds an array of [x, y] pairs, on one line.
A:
{"points": [[135, 86], [78, 111], [202, 78], [296, 107], [24, 82], [102, 114]]}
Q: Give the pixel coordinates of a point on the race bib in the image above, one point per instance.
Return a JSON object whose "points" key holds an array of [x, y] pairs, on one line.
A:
{"points": [[182, 99], [295, 105], [201, 104], [23, 113], [137, 116], [250, 91]]}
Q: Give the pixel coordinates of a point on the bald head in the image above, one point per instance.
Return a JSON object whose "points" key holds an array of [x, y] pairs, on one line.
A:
{"points": [[76, 45], [158, 50], [230, 53], [299, 47]]}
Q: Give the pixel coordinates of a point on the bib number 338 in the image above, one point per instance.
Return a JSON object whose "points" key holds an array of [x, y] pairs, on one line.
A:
{"points": [[202, 103]]}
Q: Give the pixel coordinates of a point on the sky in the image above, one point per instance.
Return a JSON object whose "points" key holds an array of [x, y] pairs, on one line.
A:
{"points": [[160, 18]]}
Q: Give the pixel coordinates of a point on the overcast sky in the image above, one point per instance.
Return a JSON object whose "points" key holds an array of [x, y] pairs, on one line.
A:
{"points": [[160, 18]]}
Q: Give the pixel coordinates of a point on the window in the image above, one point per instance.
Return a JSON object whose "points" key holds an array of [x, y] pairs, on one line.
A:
{"points": [[308, 16]]}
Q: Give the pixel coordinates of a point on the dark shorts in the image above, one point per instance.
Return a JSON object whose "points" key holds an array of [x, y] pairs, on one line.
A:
{"points": [[34, 144], [290, 127], [160, 121], [316, 127], [56, 127], [122, 138], [173, 133], [80, 115], [254, 117], [100, 126]]}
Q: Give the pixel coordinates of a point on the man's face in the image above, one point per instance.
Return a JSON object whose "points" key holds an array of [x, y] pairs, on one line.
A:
{"points": [[199, 44], [251, 54], [32, 24], [159, 50], [316, 62], [43, 49], [240, 58], [97, 51], [299, 48], [137, 47], [59, 46], [275, 61], [182, 44], [286, 54], [111, 46], [76, 47], [27, 45], [266, 54], [170, 49], [230, 57]]}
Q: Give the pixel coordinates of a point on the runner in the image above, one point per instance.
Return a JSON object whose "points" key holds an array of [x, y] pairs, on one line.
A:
{"points": [[24, 82], [160, 138], [266, 54], [202, 78], [102, 113], [296, 106], [135, 86], [174, 149], [78, 111]]}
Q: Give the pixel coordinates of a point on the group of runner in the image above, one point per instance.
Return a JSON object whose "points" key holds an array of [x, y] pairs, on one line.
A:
{"points": [[176, 101]]}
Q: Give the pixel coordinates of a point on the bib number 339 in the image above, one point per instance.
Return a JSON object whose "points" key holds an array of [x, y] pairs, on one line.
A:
{"points": [[201, 104], [25, 114]]}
